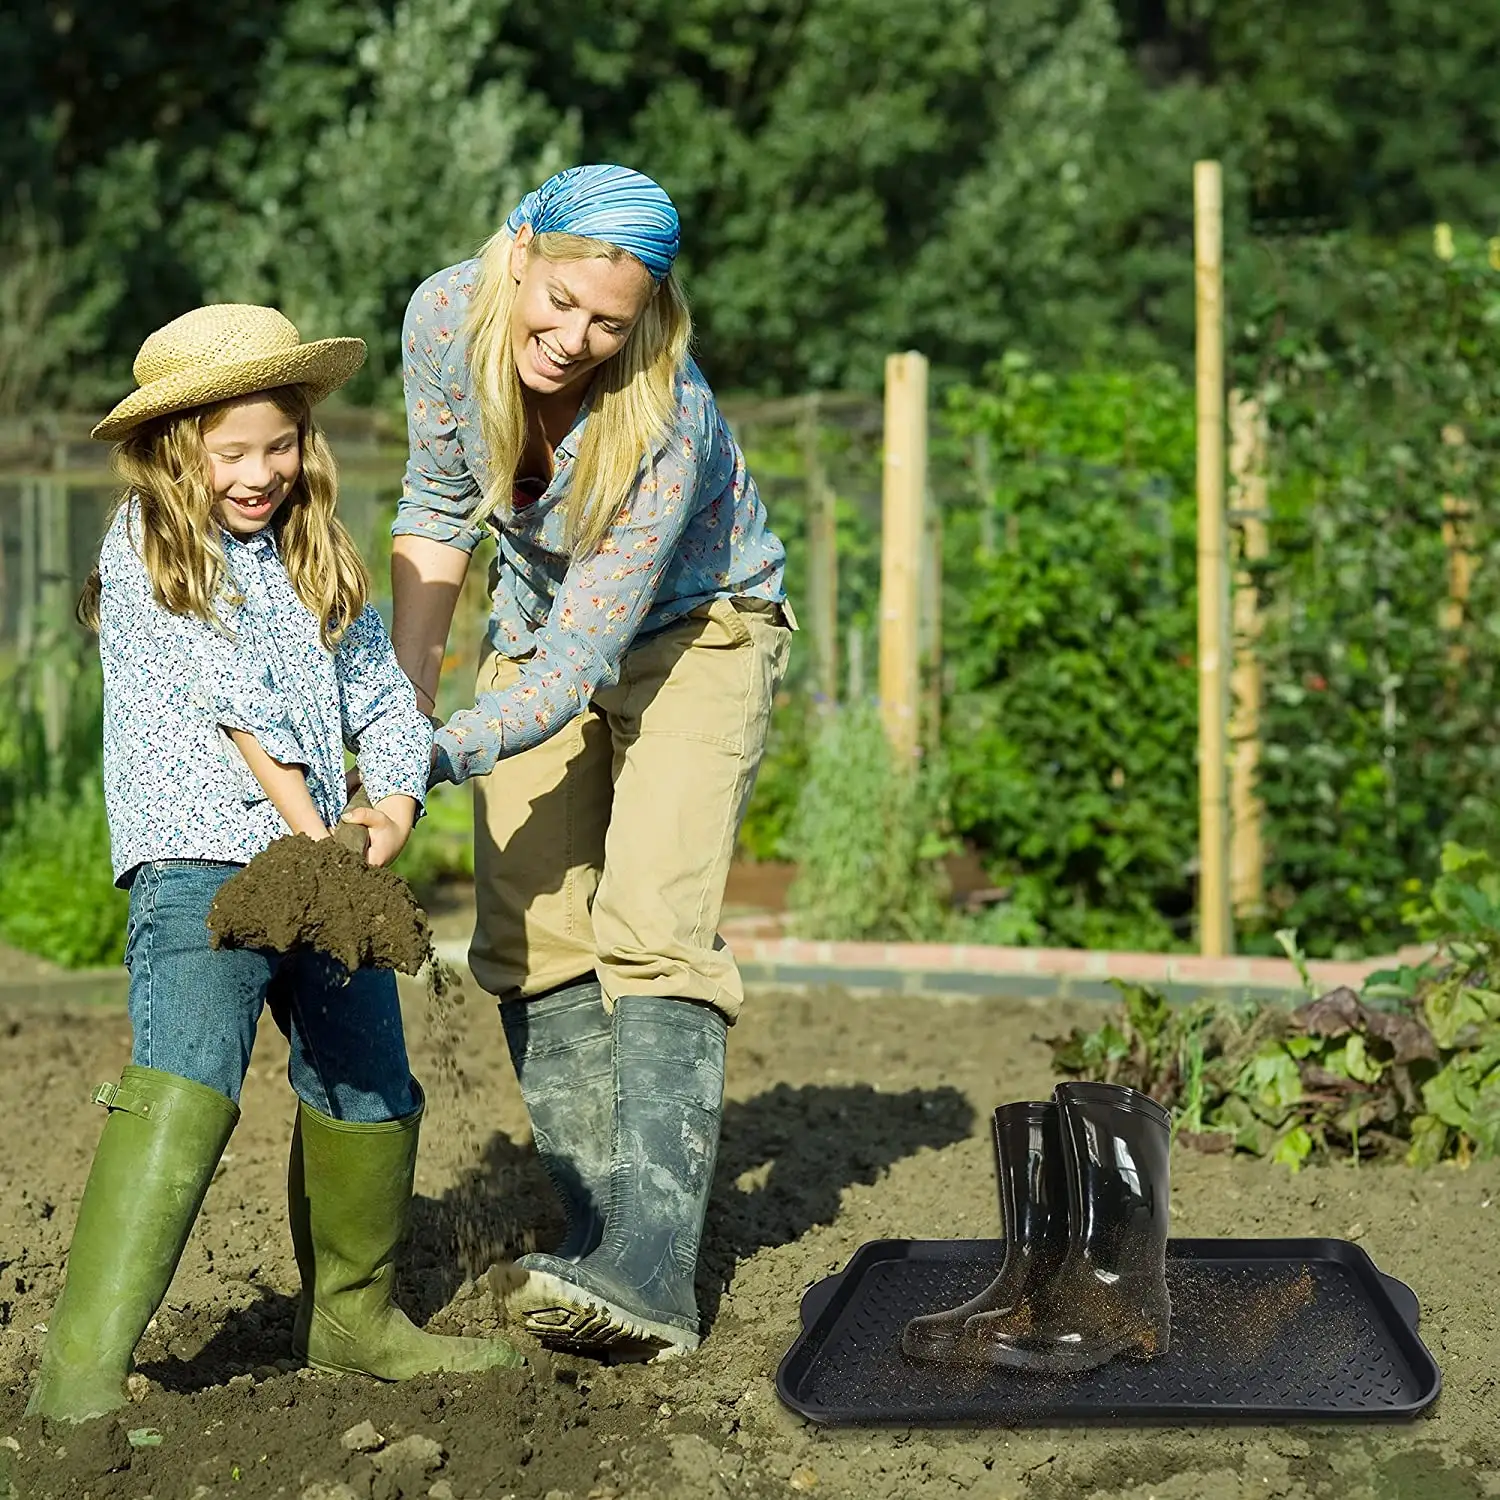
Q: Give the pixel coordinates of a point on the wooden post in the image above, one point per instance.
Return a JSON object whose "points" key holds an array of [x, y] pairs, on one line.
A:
{"points": [[902, 506], [1458, 540], [1215, 932], [1248, 506], [822, 556], [55, 575]]}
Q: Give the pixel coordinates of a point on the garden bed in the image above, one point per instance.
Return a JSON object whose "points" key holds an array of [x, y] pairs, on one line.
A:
{"points": [[848, 1121]]}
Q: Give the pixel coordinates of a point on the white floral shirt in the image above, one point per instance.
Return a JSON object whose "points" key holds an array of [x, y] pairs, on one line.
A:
{"points": [[175, 786]]}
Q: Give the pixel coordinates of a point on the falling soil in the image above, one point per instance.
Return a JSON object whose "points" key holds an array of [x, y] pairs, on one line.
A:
{"points": [[316, 893], [846, 1120]]}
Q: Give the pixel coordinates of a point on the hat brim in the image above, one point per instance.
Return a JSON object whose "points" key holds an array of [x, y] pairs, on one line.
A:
{"points": [[320, 368]]}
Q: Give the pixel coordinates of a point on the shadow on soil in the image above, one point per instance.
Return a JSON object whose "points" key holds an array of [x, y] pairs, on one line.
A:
{"points": [[785, 1158]]}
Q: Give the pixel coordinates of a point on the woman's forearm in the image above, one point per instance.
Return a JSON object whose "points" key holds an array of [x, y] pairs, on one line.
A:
{"points": [[426, 577], [286, 786]]}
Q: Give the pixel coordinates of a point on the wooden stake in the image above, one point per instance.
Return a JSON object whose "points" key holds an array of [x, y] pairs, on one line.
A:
{"points": [[1248, 506], [822, 556], [1215, 932], [902, 506]]}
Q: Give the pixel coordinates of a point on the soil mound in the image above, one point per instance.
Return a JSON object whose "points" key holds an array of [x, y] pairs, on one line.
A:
{"points": [[315, 893]]}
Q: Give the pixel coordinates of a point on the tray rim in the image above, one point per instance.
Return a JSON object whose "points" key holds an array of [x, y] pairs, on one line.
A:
{"points": [[820, 1316]]}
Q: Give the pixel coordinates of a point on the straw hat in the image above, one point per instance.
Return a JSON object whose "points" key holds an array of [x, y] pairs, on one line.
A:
{"points": [[227, 350]]}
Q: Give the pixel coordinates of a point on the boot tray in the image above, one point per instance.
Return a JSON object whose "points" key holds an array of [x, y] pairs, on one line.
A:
{"points": [[1262, 1330]]}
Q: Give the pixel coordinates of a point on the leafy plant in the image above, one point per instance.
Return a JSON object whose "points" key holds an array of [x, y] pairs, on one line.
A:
{"points": [[864, 837], [57, 897], [1410, 1066]]}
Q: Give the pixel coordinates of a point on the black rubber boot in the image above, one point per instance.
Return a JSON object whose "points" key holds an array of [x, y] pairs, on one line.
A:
{"points": [[635, 1292], [562, 1045], [1109, 1296], [1034, 1220]]}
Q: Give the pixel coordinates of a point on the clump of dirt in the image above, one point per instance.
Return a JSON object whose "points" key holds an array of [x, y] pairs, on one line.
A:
{"points": [[315, 893]]}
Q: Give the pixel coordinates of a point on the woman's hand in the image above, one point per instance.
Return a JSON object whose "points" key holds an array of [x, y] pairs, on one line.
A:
{"points": [[389, 823]]}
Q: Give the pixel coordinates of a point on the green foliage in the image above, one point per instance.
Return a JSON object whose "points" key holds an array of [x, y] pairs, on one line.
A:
{"points": [[1379, 731], [441, 846], [1409, 1067], [1070, 729], [863, 837], [385, 143], [57, 898]]}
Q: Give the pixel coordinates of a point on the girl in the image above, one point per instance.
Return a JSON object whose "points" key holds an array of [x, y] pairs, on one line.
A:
{"points": [[639, 632], [240, 655]]}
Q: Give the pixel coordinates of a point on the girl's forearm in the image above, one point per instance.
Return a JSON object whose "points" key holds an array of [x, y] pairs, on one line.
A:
{"points": [[426, 577], [286, 786]]}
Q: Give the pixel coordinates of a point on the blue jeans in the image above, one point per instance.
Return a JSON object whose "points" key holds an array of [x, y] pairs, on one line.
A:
{"points": [[194, 1009]]}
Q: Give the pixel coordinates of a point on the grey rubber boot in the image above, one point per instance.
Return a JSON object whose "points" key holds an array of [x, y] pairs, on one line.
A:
{"points": [[635, 1292], [562, 1045], [1034, 1219]]}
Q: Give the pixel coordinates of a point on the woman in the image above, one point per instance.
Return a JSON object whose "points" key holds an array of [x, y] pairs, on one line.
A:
{"points": [[638, 635]]}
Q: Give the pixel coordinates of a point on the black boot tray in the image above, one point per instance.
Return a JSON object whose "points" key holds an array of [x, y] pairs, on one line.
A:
{"points": [[1262, 1330]]}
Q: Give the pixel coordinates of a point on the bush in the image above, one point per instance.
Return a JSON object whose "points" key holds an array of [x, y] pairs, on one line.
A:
{"points": [[57, 896], [864, 838], [1070, 730]]}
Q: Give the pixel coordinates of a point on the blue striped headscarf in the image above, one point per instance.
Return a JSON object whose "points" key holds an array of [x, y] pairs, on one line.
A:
{"points": [[608, 203]]}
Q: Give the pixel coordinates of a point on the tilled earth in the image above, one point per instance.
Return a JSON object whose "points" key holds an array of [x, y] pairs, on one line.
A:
{"points": [[848, 1120]]}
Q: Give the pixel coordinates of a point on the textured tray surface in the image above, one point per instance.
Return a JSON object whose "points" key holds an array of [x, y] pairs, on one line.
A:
{"points": [[1308, 1335]]}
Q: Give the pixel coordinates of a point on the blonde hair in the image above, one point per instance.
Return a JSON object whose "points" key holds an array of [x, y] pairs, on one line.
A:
{"points": [[631, 398], [164, 466]]}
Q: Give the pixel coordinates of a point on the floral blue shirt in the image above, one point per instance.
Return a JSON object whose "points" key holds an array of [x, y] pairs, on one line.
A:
{"points": [[175, 786], [694, 531]]}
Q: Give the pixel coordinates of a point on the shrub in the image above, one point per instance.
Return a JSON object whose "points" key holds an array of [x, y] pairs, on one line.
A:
{"points": [[864, 837], [57, 896]]}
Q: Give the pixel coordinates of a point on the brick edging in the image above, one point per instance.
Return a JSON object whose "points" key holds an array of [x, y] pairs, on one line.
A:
{"points": [[976, 970]]}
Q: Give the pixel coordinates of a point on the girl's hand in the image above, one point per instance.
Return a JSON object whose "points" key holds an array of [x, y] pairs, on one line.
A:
{"points": [[389, 825]]}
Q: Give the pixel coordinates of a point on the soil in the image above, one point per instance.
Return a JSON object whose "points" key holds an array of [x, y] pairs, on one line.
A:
{"points": [[847, 1120], [316, 893]]}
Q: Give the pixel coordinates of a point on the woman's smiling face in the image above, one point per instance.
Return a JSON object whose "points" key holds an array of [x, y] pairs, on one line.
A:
{"points": [[570, 316]]}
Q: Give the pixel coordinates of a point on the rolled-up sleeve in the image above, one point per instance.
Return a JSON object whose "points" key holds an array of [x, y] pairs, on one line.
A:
{"points": [[439, 491], [596, 613], [220, 676], [391, 738]]}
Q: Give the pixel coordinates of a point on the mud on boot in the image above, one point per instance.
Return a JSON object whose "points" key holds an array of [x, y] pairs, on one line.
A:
{"points": [[562, 1045], [1109, 1296], [349, 1186], [1033, 1190], [634, 1294]]}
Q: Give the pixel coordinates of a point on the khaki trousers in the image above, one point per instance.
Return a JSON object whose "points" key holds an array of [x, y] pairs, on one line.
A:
{"points": [[606, 848]]}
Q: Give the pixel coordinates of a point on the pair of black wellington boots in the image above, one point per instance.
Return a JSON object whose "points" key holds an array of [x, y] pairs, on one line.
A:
{"points": [[1084, 1203]]}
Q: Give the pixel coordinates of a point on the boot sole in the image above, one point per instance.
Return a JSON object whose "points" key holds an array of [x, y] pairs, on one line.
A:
{"points": [[1055, 1362], [563, 1316]]}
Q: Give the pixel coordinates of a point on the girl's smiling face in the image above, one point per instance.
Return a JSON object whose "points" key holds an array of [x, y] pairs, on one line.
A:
{"points": [[255, 455], [570, 316]]}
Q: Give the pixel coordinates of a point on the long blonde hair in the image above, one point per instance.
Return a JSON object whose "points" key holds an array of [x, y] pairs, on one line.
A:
{"points": [[631, 398], [164, 466]]}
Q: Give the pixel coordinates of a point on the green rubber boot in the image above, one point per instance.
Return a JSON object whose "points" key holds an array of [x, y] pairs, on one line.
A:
{"points": [[157, 1154], [348, 1189]]}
